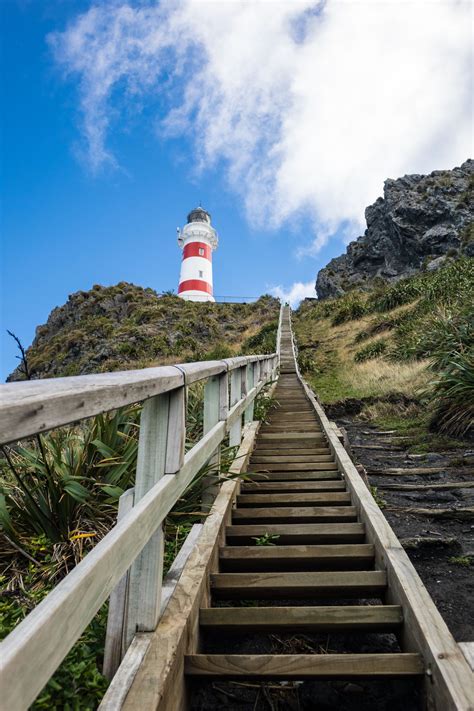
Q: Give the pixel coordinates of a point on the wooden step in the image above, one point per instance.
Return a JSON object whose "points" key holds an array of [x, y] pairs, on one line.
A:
{"points": [[315, 475], [284, 443], [366, 618], [291, 436], [322, 462], [303, 666], [301, 584], [300, 557], [323, 498], [277, 418], [299, 404], [267, 487], [292, 458], [309, 427], [295, 515], [312, 533], [291, 451]]}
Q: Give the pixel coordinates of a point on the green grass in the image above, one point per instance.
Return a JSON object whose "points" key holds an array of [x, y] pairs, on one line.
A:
{"points": [[267, 539], [381, 503], [415, 428], [462, 560]]}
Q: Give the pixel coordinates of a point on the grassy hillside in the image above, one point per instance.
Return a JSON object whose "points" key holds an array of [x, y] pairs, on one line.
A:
{"points": [[125, 326], [406, 350]]}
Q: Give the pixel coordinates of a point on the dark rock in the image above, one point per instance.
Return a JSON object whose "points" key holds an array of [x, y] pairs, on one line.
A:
{"points": [[420, 221]]}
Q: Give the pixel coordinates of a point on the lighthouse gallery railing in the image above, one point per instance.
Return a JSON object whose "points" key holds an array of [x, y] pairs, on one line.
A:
{"points": [[33, 651]]}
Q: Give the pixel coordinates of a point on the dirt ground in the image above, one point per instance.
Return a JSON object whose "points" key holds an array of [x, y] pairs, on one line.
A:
{"points": [[442, 561]]}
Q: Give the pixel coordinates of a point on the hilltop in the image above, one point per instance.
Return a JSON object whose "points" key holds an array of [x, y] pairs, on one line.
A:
{"points": [[420, 221], [125, 326]]}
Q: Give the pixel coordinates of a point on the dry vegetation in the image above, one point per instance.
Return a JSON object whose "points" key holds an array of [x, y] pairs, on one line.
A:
{"points": [[328, 354], [411, 342]]}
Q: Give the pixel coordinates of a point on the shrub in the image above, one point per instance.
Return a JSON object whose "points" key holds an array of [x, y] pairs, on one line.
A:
{"points": [[264, 341], [362, 336], [306, 361], [220, 352], [453, 396], [65, 480], [351, 307], [402, 292], [371, 350]]}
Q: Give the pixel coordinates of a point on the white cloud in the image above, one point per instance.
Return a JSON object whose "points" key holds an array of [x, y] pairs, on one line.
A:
{"points": [[295, 293], [310, 105]]}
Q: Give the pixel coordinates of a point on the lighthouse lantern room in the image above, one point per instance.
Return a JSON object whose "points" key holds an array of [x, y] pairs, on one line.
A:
{"points": [[198, 239]]}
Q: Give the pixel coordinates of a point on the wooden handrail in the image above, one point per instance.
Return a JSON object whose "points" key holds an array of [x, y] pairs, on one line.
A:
{"points": [[35, 406], [35, 648]]}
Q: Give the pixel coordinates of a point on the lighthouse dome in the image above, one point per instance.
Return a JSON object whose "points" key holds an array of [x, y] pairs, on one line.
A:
{"points": [[199, 215]]}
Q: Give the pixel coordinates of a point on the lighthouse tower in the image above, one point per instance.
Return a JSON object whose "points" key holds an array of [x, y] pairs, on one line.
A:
{"points": [[198, 239]]}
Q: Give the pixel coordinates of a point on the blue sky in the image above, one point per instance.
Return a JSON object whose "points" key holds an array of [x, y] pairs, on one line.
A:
{"points": [[93, 189]]}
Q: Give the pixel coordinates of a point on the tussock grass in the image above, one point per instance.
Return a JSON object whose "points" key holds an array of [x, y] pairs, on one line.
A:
{"points": [[415, 337], [379, 377]]}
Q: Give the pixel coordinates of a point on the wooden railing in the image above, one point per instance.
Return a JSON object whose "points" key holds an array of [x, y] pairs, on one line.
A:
{"points": [[33, 651]]}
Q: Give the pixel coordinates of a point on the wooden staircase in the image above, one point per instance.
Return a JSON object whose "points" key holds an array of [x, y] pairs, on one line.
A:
{"points": [[296, 580], [314, 555]]}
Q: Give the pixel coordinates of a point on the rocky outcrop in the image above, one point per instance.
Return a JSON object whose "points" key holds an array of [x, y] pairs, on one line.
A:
{"points": [[420, 221], [125, 326]]}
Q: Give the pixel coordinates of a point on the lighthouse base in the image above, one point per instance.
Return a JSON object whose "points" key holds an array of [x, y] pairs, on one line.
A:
{"points": [[196, 296]]}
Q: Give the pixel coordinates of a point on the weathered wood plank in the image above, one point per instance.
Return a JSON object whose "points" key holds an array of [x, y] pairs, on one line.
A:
{"points": [[118, 689], [467, 648], [301, 584], [303, 666], [326, 498], [304, 533], [40, 405], [144, 593], [418, 471], [291, 427], [318, 461], [290, 436], [296, 557], [328, 618], [265, 487], [323, 463], [116, 618], [259, 458], [176, 433], [296, 515], [296, 476], [212, 406], [235, 433], [272, 451]]}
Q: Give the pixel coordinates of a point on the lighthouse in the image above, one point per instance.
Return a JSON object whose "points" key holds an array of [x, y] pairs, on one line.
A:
{"points": [[198, 239]]}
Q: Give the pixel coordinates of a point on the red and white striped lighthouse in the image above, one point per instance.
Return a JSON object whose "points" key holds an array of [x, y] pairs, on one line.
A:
{"points": [[198, 239]]}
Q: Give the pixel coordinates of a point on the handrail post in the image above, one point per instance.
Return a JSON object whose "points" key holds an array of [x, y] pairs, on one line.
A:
{"points": [[117, 615], [216, 408], [235, 434], [160, 451], [250, 383]]}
